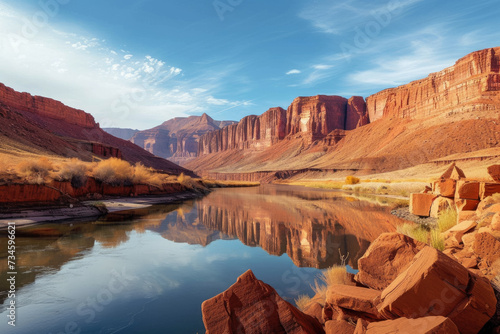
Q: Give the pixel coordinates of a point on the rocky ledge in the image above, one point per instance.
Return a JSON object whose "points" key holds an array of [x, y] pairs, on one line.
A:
{"points": [[403, 286]]}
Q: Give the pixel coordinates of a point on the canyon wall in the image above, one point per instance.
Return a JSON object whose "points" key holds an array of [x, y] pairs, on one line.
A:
{"points": [[45, 107], [312, 117], [471, 85], [177, 139]]}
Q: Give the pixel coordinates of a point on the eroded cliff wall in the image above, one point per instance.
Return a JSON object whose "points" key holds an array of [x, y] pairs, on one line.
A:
{"points": [[471, 85], [46, 107], [312, 117]]}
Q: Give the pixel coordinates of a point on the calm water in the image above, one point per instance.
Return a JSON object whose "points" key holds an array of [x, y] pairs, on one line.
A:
{"points": [[149, 270]]}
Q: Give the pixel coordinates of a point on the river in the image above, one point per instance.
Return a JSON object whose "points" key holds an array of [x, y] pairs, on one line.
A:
{"points": [[149, 270]]}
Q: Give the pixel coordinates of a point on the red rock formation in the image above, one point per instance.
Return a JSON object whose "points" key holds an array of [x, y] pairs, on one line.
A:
{"points": [[468, 86], [427, 325], [357, 114], [177, 139], [45, 107], [252, 306], [106, 151], [312, 117], [387, 257]]}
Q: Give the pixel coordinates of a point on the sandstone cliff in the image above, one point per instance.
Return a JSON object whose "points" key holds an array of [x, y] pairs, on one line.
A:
{"points": [[471, 85], [310, 117], [33, 124], [177, 139], [452, 112], [45, 107]]}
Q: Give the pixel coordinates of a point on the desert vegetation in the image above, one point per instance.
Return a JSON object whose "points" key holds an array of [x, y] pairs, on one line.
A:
{"points": [[115, 171]]}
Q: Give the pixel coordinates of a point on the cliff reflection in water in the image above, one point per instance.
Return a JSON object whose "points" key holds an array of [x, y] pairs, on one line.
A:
{"points": [[310, 226]]}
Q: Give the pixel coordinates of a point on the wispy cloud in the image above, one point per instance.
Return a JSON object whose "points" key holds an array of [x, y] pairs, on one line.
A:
{"points": [[336, 17], [118, 87], [294, 71]]}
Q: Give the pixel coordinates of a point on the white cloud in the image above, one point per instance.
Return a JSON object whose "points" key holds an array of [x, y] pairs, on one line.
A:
{"points": [[116, 87], [322, 67], [336, 17], [294, 71]]}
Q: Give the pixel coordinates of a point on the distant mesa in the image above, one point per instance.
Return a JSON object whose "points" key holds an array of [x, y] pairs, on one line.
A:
{"points": [[177, 139], [124, 134]]}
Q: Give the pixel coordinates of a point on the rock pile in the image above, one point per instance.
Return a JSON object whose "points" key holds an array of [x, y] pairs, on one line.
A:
{"points": [[403, 286]]}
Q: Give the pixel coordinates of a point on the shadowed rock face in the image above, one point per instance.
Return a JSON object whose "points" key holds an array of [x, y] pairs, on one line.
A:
{"points": [[45, 107], [45, 126]]}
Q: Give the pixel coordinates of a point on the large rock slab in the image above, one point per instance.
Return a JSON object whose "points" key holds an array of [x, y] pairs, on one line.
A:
{"points": [[494, 172], [467, 189], [344, 301], [487, 248], [427, 325], [445, 187], [251, 306], [487, 189], [388, 256], [436, 285], [339, 327], [420, 204], [440, 205]]}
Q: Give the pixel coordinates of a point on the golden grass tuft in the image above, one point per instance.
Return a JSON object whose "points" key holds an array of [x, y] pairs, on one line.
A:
{"points": [[145, 175], [414, 231], [352, 180], [35, 171], [75, 171], [113, 171], [437, 240], [302, 302], [335, 275], [447, 219]]}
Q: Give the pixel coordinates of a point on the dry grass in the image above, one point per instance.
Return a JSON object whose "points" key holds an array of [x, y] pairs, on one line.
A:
{"points": [[437, 240], [35, 171], [335, 275], [414, 231], [145, 175], [447, 219], [113, 171], [302, 302], [352, 180], [395, 188], [75, 171]]}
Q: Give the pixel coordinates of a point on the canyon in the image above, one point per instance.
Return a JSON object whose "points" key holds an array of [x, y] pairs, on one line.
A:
{"points": [[451, 112], [34, 125], [177, 139]]}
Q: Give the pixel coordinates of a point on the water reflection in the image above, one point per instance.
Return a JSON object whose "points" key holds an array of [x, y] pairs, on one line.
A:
{"points": [[312, 227]]}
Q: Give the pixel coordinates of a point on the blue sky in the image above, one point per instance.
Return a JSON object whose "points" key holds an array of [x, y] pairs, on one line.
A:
{"points": [[138, 63]]}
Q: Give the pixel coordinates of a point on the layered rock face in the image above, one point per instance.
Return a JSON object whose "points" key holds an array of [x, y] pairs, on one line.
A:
{"points": [[177, 139], [311, 117], [469, 85], [45, 107]]}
